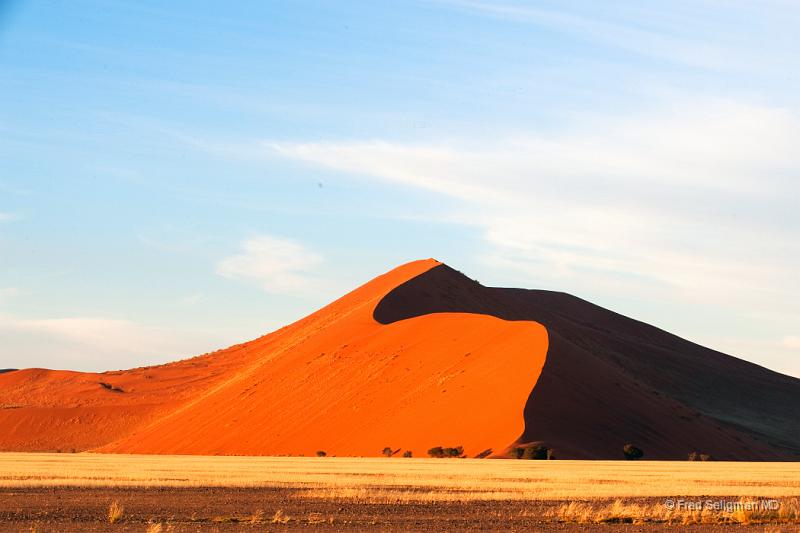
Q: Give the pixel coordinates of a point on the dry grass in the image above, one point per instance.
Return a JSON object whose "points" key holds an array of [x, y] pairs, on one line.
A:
{"points": [[590, 491], [280, 517], [408, 480], [257, 517], [705, 511], [115, 511]]}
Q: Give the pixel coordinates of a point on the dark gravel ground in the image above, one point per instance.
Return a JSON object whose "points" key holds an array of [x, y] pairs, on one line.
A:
{"points": [[46, 510]]}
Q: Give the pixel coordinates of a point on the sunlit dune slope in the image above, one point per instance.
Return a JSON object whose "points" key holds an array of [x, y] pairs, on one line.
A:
{"points": [[337, 381]]}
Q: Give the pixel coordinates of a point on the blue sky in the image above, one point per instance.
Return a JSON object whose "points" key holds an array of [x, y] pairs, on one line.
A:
{"points": [[178, 176]]}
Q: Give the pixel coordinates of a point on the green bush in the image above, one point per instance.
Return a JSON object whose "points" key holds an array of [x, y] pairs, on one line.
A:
{"points": [[631, 452]]}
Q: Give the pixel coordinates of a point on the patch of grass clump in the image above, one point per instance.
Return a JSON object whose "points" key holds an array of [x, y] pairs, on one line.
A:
{"points": [[115, 512], [280, 517]]}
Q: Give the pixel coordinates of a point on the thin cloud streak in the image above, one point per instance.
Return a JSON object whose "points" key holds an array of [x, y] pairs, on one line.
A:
{"points": [[672, 34], [97, 343], [692, 204], [275, 264]]}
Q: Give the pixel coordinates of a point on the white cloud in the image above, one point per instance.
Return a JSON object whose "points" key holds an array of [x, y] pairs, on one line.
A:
{"points": [[695, 202], [8, 292], [275, 264], [792, 342], [676, 32], [779, 355], [95, 332], [6, 217], [97, 343]]}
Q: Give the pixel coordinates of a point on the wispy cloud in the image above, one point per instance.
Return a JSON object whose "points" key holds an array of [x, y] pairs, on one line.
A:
{"points": [[792, 342], [694, 201], [6, 217], [89, 343], [275, 264], [679, 33], [8, 292]]}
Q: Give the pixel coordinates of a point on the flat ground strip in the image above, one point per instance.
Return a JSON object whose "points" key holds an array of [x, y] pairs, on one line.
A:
{"points": [[73, 492]]}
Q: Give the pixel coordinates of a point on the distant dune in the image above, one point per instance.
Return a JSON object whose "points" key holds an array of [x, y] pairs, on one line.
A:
{"points": [[420, 357]]}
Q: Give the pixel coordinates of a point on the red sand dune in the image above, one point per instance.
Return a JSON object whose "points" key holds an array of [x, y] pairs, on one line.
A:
{"points": [[419, 357]]}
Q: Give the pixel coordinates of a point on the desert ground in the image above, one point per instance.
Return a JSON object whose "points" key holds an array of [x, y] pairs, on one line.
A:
{"points": [[130, 493]]}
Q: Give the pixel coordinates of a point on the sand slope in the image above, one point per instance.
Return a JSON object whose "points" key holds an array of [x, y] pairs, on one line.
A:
{"points": [[422, 356], [337, 381]]}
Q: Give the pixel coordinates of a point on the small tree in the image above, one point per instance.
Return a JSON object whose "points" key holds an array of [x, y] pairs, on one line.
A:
{"points": [[321, 453], [536, 452], [533, 452], [407, 453], [706, 457], [436, 451], [458, 451], [387, 452], [631, 452], [692, 456]]}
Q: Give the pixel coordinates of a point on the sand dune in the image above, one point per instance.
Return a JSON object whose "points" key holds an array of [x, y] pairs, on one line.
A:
{"points": [[420, 357]]}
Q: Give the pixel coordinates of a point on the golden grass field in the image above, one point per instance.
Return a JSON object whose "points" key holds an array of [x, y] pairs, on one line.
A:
{"points": [[584, 491], [431, 479]]}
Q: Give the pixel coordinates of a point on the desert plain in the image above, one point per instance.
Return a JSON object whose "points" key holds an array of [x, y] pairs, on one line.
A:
{"points": [[52, 492]]}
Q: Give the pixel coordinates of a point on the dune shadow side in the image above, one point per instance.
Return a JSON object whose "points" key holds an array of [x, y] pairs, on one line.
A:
{"points": [[609, 379]]}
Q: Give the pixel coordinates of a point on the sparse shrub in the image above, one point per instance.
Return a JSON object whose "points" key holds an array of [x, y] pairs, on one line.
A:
{"points": [[257, 517], [280, 517], [109, 386], [387, 452], [537, 452], [407, 453], [115, 511], [321, 453], [631, 452], [697, 456], [154, 527], [436, 451], [458, 451], [533, 452]]}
